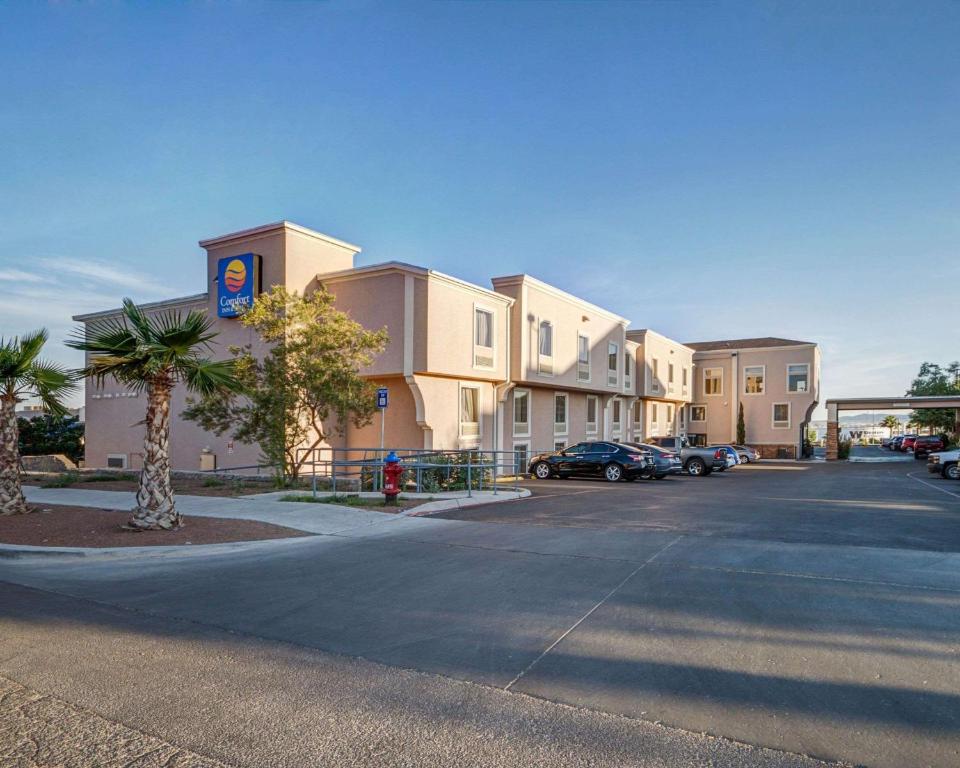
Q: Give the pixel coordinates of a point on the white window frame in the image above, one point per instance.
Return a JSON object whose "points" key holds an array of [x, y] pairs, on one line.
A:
{"points": [[763, 380], [613, 349], [529, 395], [670, 415], [670, 372], [522, 444], [123, 458], [541, 359], [705, 377], [637, 416], [698, 421], [654, 374], [566, 414], [461, 422], [580, 378], [616, 426], [798, 391], [773, 416], [493, 337], [654, 419], [686, 381], [592, 427], [629, 363], [559, 445]]}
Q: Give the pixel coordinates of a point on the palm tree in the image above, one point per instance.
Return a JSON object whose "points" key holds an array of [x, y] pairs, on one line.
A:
{"points": [[154, 353], [891, 422], [23, 374]]}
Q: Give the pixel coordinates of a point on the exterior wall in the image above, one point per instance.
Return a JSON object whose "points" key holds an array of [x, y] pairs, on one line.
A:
{"points": [[654, 347], [721, 409]]}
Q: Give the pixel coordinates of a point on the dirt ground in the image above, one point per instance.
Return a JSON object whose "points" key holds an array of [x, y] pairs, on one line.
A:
{"points": [[64, 526], [190, 486]]}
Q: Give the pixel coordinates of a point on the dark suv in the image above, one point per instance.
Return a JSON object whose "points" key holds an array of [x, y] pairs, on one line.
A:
{"points": [[928, 444], [608, 460]]}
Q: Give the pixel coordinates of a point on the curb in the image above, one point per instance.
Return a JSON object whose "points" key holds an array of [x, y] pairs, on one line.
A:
{"points": [[26, 551], [442, 505]]}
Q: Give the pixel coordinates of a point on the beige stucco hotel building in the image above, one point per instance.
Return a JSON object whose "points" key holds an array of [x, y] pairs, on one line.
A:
{"points": [[520, 366]]}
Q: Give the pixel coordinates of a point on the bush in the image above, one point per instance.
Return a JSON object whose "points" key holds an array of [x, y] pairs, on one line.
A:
{"points": [[843, 448]]}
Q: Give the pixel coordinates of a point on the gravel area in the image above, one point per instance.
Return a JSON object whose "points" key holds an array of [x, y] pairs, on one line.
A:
{"points": [[63, 526], [38, 731]]}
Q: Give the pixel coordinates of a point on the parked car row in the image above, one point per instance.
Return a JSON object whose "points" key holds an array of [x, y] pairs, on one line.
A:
{"points": [[919, 445], [654, 460]]}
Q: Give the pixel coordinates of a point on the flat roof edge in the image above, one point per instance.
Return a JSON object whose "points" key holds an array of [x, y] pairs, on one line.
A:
{"points": [[275, 226], [177, 302]]}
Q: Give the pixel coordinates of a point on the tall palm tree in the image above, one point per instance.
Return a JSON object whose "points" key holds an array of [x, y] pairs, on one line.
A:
{"points": [[23, 374], [153, 353]]}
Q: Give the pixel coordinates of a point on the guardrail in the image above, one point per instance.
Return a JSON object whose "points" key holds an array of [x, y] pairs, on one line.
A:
{"points": [[424, 471]]}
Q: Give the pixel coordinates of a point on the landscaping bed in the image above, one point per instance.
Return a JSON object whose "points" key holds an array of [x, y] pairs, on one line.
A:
{"points": [[361, 502], [65, 526], [126, 481]]}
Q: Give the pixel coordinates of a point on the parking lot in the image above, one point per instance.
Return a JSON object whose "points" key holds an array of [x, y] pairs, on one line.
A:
{"points": [[883, 504], [808, 608]]}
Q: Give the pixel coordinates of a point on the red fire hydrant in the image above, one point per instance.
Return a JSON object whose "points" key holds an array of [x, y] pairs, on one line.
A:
{"points": [[391, 478]]}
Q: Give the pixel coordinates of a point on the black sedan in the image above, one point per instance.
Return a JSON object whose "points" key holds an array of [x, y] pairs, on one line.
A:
{"points": [[666, 462], [609, 460]]}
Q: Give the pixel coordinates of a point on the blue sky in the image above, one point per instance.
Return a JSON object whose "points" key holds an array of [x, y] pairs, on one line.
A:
{"points": [[706, 169]]}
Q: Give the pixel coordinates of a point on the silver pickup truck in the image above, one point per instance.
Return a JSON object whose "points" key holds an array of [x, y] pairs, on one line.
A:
{"points": [[696, 461]]}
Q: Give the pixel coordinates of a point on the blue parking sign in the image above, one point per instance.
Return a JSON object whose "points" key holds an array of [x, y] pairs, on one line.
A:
{"points": [[382, 397]]}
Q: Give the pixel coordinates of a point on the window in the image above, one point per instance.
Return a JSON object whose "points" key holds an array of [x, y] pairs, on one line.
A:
{"points": [[117, 460], [613, 363], [669, 419], [753, 379], [698, 413], [653, 413], [627, 370], [616, 415], [558, 445], [655, 376], [560, 413], [682, 413], [482, 338], [469, 412], [685, 376], [583, 357], [521, 412], [592, 406], [713, 381], [521, 457], [781, 415], [637, 415], [798, 378], [546, 348], [670, 377]]}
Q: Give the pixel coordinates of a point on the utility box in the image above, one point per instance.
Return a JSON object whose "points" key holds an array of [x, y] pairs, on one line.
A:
{"points": [[208, 460]]}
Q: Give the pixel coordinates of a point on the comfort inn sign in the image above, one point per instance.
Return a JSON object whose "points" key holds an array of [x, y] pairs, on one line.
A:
{"points": [[238, 283]]}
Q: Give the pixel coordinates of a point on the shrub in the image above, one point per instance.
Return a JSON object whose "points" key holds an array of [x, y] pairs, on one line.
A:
{"points": [[843, 448]]}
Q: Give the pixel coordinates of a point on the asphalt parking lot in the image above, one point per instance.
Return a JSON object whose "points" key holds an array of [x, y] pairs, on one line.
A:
{"points": [[881, 504], [813, 609]]}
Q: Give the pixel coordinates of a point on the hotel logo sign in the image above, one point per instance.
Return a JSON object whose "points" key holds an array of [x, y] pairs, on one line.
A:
{"points": [[238, 284]]}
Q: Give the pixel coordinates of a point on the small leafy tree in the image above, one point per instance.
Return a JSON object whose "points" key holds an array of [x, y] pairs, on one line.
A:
{"points": [[934, 379], [741, 427], [51, 433], [307, 387], [23, 374]]}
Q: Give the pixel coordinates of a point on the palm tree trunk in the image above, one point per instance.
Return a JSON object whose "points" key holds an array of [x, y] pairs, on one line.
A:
{"points": [[155, 505], [11, 494]]}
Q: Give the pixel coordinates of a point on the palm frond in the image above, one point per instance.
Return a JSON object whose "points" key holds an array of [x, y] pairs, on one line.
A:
{"points": [[30, 345], [210, 377], [51, 383]]}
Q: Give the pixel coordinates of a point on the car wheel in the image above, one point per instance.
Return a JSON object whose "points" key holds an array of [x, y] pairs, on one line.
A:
{"points": [[541, 470], [613, 472], [744, 459], [696, 467], [952, 471]]}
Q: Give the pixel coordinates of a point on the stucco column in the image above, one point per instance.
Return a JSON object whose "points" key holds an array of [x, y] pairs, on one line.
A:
{"points": [[833, 432]]}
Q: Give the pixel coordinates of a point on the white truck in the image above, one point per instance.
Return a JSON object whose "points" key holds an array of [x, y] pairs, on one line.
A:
{"points": [[945, 464]]}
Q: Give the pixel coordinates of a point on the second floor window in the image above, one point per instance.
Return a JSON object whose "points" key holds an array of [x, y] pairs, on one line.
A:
{"points": [[753, 380], [798, 378], [613, 363], [670, 376], [482, 338], [583, 358], [654, 375], [546, 347], [627, 370], [713, 381], [685, 380]]}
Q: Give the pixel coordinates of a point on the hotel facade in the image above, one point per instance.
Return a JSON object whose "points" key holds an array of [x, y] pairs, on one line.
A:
{"points": [[522, 366]]}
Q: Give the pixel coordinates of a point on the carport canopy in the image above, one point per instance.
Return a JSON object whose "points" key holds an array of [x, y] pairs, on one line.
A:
{"points": [[881, 404]]}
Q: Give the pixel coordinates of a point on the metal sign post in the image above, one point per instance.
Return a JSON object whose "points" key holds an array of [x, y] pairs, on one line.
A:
{"points": [[382, 405]]}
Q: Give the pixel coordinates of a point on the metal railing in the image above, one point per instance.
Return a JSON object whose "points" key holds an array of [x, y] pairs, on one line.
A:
{"points": [[424, 471]]}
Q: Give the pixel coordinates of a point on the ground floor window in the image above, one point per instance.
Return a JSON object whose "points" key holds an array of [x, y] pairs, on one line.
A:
{"points": [[698, 413], [117, 460], [521, 412], [697, 439], [616, 415], [592, 407], [521, 457], [781, 415], [560, 413], [469, 411], [559, 445]]}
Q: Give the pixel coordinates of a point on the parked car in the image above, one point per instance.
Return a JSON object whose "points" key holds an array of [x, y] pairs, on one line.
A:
{"points": [[666, 462], [747, 454], [697, 461], [906, 444], [945, 464], [594, 459], [733, 458], [895, 443], [885, 442], [926, 444]]}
